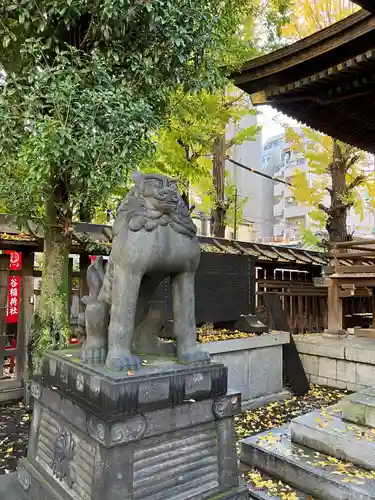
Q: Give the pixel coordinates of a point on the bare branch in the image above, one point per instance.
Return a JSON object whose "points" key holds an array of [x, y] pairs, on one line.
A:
{"points": [[353, 160], [323, 208], [230, 103], [356, 182], [185, 147], [350, 204], [194, 156], [230, 143]]}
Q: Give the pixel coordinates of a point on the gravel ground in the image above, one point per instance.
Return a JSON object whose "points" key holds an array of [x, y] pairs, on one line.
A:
{"points": [[14, 433]]}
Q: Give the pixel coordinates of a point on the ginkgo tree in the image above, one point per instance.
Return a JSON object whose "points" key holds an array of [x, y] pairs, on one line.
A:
{"points": [[192, 147], [205, 196], [310, 16], [194, 144], [333, 165], [329, 187]]}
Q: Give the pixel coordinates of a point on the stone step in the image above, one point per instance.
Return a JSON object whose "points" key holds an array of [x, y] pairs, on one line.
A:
{"points": [[326, 432], [359, 407], [313, 473], [263, 495], [10, 488], [263, 488]]}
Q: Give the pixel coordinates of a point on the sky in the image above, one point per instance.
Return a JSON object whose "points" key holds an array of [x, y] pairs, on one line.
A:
{"points": [[271, 122]]}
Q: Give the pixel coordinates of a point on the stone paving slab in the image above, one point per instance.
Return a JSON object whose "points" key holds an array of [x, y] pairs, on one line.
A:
{"points": [[326, 432], [311, 472], [359, 407], [262, 494], [10, 489]]}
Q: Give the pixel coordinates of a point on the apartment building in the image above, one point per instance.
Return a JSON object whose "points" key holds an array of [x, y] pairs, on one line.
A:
{"points": [[271, 164], [249, 185], [288, 215]]}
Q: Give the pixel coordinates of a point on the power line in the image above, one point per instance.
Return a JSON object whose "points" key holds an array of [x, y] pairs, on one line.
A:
{"points": [[249, 169]]}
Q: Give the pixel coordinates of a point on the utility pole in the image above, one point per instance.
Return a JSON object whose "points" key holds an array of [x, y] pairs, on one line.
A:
{"points": [[235, 215]]}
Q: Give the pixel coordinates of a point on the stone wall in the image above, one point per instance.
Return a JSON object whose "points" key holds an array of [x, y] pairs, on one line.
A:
{"points": [[347, 363], [255, 367]]}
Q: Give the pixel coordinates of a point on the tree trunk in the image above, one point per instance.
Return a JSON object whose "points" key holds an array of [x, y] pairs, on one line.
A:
{"points": [[219, 211], [337, 213], [86, 214], [336, 225], [50, 329]]}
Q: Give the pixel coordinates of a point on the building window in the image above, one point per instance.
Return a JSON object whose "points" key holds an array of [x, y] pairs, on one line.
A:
{"points": [[300, 161], [286, 157], [266, 160]]}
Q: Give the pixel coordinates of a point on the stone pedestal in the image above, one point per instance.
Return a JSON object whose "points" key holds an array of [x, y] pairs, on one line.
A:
{"points": [[163, 433]]}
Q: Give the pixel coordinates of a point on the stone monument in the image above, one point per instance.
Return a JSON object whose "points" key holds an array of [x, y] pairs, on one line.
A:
{"points": [[121, 419]]}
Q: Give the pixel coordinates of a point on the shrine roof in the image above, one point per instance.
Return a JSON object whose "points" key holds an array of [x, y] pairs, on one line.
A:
{"points": [[366, 4], [325, 81], [96, 239]]}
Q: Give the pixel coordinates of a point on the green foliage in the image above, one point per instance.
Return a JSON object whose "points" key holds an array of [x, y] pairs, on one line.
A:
{"points": [[185, 143], [235, 206], [310, 16], [74, 135], [258, 32], [85, 83], [205, 198], [309, 239]]}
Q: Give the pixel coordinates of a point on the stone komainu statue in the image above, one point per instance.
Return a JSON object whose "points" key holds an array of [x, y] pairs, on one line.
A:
{"points": [[153, 237]]}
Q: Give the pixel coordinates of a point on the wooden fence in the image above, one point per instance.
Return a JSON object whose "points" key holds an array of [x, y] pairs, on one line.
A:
{"points": [[350, 279], [304, 304]]}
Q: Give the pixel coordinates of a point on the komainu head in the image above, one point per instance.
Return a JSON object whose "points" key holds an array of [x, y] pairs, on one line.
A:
{"points": [[154, 201], [158, 192]]}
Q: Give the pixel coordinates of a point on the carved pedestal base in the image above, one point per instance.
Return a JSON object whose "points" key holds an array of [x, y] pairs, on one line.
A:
{"points": [[164, 433]]}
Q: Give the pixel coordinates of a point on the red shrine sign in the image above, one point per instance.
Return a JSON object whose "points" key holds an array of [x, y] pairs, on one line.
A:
{"points": [[15, 260], [14, 287]]}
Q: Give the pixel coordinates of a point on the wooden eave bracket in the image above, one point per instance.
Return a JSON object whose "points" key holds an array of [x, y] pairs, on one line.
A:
{"points": [[238, 247], [259, 98], [219, 245]]}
